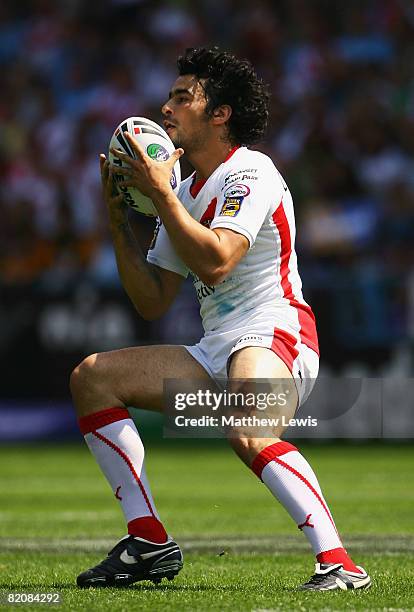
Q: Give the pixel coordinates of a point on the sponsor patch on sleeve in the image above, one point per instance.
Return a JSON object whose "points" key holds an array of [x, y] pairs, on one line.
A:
{"points": [[233, 198], [231, 206]]}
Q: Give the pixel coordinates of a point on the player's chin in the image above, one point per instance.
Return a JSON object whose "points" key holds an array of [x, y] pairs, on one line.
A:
{"points": [[175, 138]]}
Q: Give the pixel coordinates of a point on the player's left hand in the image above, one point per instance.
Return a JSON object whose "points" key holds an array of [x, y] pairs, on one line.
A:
{"points": [[149, 176]]}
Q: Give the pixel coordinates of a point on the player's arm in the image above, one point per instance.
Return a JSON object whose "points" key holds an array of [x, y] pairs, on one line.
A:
{"points": [[211, 254], [150, 288]]}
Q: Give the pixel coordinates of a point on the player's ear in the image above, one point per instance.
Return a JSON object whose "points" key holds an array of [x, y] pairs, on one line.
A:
{"points": [[221, 114]]}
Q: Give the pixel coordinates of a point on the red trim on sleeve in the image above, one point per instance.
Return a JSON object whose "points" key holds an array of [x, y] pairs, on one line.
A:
{"points": [[269, 453], [91, 422]]}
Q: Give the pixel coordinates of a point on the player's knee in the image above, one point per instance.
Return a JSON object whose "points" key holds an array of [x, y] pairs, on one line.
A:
{"points": [[241, 446], [247, 448], [86, 374]]}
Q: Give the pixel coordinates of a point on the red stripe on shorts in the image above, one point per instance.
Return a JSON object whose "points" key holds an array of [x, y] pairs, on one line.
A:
{"points": [[284, 345]]}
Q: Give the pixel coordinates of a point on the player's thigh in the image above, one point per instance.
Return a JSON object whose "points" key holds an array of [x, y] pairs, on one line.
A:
{"points": [[136, 375], [279, 397], [262, 364]]}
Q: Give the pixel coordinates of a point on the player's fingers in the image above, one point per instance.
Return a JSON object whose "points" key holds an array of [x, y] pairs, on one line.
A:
{"points": [[121, 155], [117, 199], [104, 176], [112, 193], [140, 153], [104, 165], [130, 183], [118, 170], [175, 156], [111, 189]]}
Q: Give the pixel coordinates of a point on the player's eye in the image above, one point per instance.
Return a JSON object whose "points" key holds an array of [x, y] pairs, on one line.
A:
{"points": [[181, 99]]}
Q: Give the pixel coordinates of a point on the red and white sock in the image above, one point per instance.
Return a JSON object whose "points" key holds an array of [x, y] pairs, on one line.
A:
{"points": [[116, 445], [292, 481]]}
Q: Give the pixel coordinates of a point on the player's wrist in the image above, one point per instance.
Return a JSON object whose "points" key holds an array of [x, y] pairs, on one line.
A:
{"points": [[163, 197], [118, 219]]}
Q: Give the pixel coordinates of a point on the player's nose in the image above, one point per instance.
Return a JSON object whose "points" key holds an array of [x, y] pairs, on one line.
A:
{"points": [[166, 109]]}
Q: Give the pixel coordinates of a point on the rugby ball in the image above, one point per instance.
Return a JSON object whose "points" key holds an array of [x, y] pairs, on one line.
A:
{"points": [[156, 144]]}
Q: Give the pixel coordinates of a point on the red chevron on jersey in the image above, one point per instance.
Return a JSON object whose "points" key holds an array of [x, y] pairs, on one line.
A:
{"points": [[208, 214]]}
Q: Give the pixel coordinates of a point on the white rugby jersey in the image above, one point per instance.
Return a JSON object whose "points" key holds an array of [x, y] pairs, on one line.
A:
{"points": [[246, 194]]}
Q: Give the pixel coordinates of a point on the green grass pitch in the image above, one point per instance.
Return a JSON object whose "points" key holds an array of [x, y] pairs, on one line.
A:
{"points": [[242, 551]]}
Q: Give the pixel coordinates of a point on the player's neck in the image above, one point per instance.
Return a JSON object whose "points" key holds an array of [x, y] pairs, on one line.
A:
{"points": [[209, 158]]}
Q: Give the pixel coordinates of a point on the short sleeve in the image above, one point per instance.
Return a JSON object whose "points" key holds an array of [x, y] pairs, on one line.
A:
{"points": [[162, 253], [247, 196]]}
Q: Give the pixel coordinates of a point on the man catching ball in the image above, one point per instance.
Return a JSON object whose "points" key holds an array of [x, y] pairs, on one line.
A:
{"points": [[232, 227]]}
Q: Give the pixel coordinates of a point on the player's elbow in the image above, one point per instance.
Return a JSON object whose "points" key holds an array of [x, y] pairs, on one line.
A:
{"points": [[149, 314], [149, 311], [214, 276]]}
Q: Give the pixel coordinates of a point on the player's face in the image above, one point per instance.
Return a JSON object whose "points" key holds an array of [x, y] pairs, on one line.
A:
{"points": [[185, 119]]}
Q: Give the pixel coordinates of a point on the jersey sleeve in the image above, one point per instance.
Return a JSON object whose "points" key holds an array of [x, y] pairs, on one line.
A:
{"points": [[246, 197], [162, 253]]}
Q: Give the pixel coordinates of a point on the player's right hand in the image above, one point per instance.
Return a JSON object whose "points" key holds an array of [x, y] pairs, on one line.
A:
{"points": [[117, 208]]}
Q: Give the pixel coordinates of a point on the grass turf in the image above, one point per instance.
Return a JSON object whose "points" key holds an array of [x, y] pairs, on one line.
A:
{"points": [[58, 517]]}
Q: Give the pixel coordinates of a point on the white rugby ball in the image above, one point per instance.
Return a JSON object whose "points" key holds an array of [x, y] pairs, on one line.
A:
{"points": [[156, 144]]}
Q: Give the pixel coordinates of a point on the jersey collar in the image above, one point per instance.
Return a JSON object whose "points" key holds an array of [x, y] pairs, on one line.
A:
{"points": [[196, 186]]}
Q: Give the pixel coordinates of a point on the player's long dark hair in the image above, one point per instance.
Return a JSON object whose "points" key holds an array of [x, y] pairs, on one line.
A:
{"points": [[232, 81]]}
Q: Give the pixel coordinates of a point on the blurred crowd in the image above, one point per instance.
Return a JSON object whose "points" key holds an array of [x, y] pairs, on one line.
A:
{"points": [[342, 134]]}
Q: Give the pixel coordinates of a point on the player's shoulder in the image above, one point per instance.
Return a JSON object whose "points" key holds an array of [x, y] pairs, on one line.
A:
{"points": [[245, 161], [244, 153]]}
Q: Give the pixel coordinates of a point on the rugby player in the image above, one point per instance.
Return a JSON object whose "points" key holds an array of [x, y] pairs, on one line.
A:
{"points": [[232, 227]]}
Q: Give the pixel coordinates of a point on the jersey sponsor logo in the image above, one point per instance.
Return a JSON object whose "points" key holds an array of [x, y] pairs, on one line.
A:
{"points": [[249, 174], [202, 290], [157, 152], [236, 191], [231, 206]]}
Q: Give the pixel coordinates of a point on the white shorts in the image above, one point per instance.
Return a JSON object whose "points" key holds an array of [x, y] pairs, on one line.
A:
{"points": [[214, 350]]}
